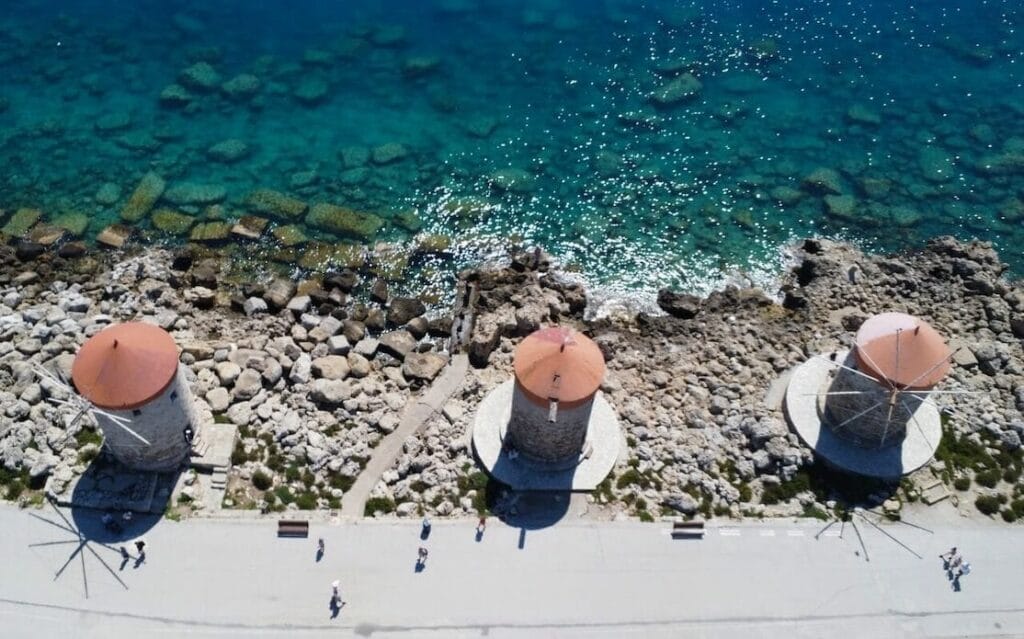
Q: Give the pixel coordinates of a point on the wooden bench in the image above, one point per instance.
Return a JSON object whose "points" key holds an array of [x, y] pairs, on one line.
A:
{"points": [[688, 529], [292, 528]]}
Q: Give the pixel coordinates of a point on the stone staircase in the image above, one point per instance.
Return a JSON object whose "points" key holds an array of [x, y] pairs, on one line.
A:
{"points": [[219, 478]]}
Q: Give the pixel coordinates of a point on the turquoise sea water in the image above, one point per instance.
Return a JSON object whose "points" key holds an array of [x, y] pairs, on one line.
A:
{"points": [[644, 143]]}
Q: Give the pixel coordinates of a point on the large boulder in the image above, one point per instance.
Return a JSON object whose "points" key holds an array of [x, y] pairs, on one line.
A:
{"points": [[145, 196], [397, 343], [329, 391], [331, 367], [679, 305], [279, 292], [403, 309], [275, 204], [485, 338]]}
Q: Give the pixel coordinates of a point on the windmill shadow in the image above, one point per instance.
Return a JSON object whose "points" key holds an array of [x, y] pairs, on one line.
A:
{"points": [[108, 490], [81, 547]]}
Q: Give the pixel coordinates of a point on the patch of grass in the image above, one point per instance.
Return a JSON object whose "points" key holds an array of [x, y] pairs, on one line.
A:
{"points": [[88, 436], [340, 481], [332, 429], [1017, 506], [382, 504], [645, 516], [184, 499], [306, 500], [14, 490], [308, 478], [962, 483], [221, 418], [810, 510], [292, 473], [633, 477], [261, 480], [473, 481], [86, 456], [284, 495]]}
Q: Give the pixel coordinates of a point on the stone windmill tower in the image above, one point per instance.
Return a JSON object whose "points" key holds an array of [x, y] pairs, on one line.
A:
{"points": [[868, 410], [549, 427], [131, 372]]}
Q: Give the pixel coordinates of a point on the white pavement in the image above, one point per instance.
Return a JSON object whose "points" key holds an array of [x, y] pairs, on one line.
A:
{"points": [[774, 579]]}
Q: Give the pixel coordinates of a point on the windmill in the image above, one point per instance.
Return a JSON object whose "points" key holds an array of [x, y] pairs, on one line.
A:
{"points": [[870, 409], [893, 367]]}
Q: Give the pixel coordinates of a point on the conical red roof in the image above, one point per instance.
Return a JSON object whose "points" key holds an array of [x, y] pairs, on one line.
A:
{"points": [[902, 350], [559, 363], [125, 366]]}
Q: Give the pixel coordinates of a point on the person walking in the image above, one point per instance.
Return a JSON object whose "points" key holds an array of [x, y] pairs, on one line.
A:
{"points": [[947, 557]]}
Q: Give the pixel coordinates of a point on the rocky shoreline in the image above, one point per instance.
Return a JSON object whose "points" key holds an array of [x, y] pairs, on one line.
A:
{"points": [[314, 373]]}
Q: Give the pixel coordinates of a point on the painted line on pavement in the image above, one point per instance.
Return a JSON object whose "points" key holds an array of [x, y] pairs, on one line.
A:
{"points": [[795, 533], [768, 533], [729, 532]]}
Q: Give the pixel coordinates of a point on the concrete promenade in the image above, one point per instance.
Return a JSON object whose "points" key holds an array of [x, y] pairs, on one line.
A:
{"points": [[577, 579]]}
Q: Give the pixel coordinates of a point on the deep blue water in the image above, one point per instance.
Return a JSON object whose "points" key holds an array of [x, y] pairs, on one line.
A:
{"points": [[535, 121]]}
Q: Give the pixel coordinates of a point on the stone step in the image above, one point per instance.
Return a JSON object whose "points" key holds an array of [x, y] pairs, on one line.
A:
{"points": [[219, 479], [934, 493]]}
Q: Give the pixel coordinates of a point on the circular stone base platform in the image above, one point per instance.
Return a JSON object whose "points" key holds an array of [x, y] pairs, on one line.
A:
{"points": [[600, 451], [804, 415]]}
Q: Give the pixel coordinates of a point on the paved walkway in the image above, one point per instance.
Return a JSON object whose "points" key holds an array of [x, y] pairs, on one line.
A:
{"points": [[387, 451], [764, 580]]}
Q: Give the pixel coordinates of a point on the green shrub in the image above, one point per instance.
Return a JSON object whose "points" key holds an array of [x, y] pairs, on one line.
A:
{"points": [[987, 478], [261, 480], [810, 510], [746, 494], [1008, 515], [238, 455], [987, 504], [14, 489], [86, 456], [308, 478], [306, 500], [645, 516], [962, 483], [340, 481], [284, 495], [1017, 505], [292, 473], [184, 499], [382, 504]]}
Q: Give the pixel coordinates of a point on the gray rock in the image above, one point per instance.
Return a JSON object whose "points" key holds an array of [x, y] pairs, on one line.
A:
{"points": [[279, 292], [423, 366], [302, 370], [353, 330], [358, 365], [679, 305], [331, 367], [227, 372], [218, 399], [42, 467], [299, 304], [253, 306], [367, 347], [397, 343], [248, 384], [682, 502], [403, 309], [329, 391], [272, 371], [338, 345]]}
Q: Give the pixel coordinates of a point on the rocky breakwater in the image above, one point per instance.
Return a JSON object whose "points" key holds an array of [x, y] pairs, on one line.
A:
{"points": [[697, 389], [312, 377]]}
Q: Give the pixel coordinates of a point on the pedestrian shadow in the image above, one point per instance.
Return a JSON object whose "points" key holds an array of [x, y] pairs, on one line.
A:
{"points": [[335, 607]]}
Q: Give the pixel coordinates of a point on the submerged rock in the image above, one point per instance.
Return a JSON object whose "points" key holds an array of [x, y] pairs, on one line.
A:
{"points": [[115, 235], [192, 193], [210, 232], [388, 153], [275, 204], [512, 180], [171, 221], [228, 151], [241, 87], [20, 223], [150, 188], [201, 76], [680, 89], [311, 91], [344, 221]]}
